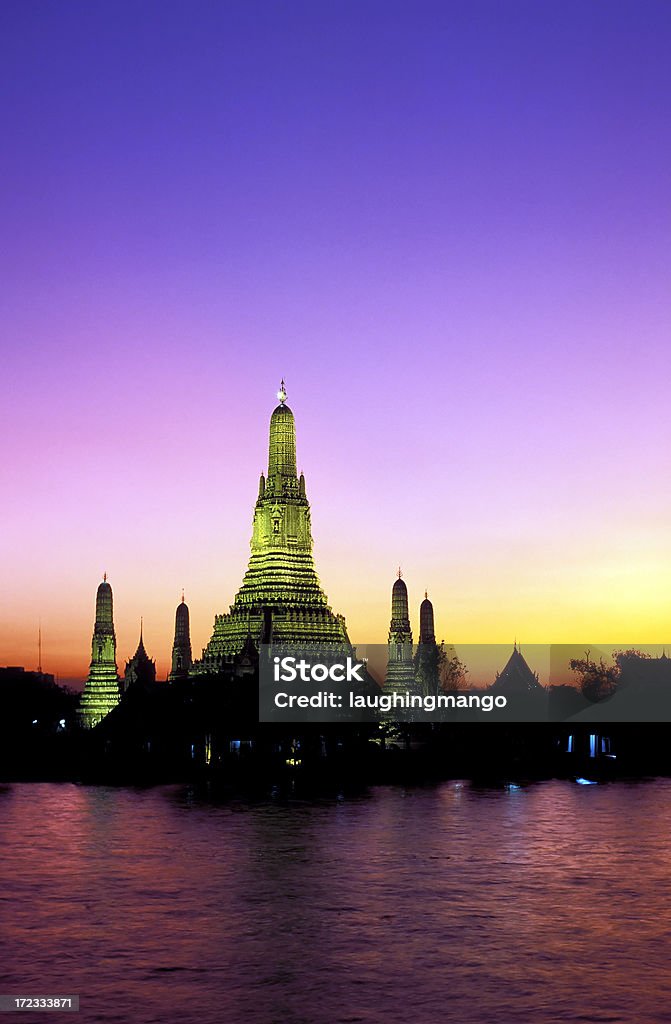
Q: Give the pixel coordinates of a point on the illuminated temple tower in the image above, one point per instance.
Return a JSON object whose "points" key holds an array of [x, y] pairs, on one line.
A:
{"points": [[181, 648], [281, 600], [400, 666], [101, 692]]}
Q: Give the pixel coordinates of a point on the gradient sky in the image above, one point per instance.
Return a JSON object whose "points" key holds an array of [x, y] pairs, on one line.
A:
{"points": [[445, 224]]}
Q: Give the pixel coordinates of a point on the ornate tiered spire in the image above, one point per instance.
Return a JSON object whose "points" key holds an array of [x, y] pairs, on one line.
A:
{"points": [[181, 648], [101, 691], [281, 444], [427, 632], [400, 671], [399, 604], [281, 596], [428, 656]]}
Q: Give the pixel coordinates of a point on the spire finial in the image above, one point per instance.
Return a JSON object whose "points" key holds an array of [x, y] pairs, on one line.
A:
{"points": [[426, 595], [282, 393], [182, 595], [399, 573], [141, 626]]}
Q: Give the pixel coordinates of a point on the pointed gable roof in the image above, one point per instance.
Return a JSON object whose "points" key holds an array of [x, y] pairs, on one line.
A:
{"points": [[516, 677]]}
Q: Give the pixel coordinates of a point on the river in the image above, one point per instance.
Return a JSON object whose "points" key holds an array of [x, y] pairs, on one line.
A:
{"points": [[544, 903]]}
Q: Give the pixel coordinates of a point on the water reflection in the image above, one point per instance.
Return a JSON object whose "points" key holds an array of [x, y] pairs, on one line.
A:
{"points": [[541, 903]]}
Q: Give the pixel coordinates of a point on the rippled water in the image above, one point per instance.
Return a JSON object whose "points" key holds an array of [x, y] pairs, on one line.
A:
{"points": [[547, 903]]}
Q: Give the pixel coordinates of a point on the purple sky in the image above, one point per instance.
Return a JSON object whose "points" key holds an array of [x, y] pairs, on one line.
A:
{"points": [[445, 224]]}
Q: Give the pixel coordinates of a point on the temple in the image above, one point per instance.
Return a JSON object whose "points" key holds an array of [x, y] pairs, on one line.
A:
{"points": [[181, 648], [428, 656], [400, 664], [281, 600], [427, 631], [516, 676], [140, 670], [101, 691]]}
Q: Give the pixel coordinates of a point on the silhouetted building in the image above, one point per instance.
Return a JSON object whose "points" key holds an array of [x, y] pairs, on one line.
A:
{"points": [[400, 664], [140, 670], [101, 691], [181, 648], [281, 600], [516, 677], [650, 674], [427, 632], [427, 659]]}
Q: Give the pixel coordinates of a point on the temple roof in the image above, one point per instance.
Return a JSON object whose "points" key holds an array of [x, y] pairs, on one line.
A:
{"points": [[516, 676], [141, 656]]}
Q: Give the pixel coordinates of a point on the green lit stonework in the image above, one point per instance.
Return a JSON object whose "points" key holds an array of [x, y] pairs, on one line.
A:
{"points": [[101, 692], [281, 600], [400, 665]]}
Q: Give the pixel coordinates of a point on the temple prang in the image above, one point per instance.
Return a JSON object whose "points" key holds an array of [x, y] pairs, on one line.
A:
{"points": [[102, 688], [281, 599], [400, 665], [427, 631], [181, 648]]}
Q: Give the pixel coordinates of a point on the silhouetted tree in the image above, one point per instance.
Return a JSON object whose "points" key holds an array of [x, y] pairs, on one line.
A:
{"points": [[597, 680], [629, 657], [452, 673]]}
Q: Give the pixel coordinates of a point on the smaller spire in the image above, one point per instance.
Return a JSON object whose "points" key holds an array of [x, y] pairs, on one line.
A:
{"points": [[141, 626], [426, 595], [104, 577], [282, 393], [182, 595], [399, 573]]}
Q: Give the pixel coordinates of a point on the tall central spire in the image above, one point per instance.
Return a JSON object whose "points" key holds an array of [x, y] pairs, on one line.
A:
{"points": [[282, 443], [281, 599]]}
